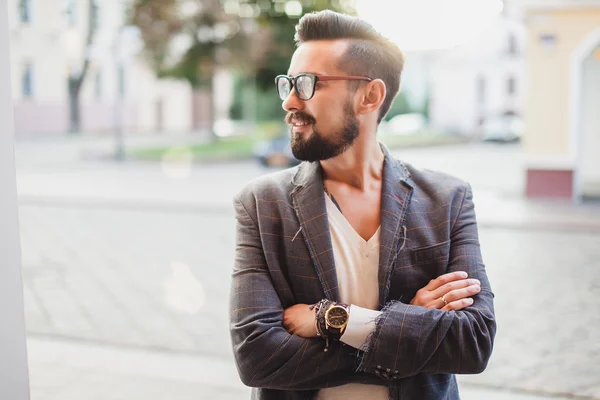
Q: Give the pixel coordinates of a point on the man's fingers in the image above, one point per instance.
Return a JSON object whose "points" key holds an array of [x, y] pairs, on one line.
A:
{"points": [[458, 304], [289, 326], [444, 279], [456, 286]]}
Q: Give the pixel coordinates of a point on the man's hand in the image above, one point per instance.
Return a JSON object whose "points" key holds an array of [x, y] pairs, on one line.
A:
{"points": [[454, 286], [299, 320]]}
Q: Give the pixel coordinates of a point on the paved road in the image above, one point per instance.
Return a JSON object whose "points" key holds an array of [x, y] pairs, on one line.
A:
{"points": [[136, 258]]}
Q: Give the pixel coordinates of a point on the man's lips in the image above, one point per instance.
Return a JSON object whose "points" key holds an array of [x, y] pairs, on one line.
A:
{"points": [[299, 123], [298, 120]]}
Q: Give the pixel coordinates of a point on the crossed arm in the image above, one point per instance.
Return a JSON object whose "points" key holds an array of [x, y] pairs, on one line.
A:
{"points": [[408, 339], [266, 354], [448, 292]]}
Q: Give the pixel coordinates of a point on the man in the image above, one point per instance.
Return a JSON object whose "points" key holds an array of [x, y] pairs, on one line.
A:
{"points": [[356, 276]]}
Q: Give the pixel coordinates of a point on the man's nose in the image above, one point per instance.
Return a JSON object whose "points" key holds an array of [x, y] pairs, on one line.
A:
{"points": [[292, 103]]}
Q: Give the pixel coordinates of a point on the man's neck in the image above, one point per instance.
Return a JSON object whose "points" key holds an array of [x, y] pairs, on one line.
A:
{"points": [[358, 166]]}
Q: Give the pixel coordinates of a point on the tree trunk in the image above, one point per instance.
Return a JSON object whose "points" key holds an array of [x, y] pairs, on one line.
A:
{"points": [[76, 81], [74, 108]]}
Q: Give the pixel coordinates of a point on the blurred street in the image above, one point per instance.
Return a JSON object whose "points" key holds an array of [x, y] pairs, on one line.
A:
{"points": [[126, 274]]}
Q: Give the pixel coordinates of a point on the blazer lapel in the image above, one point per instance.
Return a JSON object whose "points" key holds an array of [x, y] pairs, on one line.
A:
{"points": [[396, 193], [308, 199]]}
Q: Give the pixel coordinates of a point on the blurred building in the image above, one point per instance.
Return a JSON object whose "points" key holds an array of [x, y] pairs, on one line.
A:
{"points": [[562, 139], [48, 43], [481, 79]]}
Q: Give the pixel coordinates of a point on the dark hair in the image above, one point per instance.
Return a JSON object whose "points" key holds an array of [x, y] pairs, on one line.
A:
{"points": [[369, 53]]}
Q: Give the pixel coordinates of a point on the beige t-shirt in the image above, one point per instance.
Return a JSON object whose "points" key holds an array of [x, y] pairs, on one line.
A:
{"points": [[357, 268]]}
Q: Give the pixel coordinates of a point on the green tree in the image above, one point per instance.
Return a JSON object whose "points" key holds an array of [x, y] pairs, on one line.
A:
{"points": [[190, 39], [401, 105], [276, 21], [279, 18]]}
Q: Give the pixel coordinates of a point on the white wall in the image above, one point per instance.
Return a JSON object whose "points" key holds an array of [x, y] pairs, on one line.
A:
{"points": [[40, 43], [14, 380], [454, 74], [54, 48], [176, 97], [590, 125]]}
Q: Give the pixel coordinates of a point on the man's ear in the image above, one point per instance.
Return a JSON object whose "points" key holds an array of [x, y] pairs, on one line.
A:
{"points": [[372, 96]]}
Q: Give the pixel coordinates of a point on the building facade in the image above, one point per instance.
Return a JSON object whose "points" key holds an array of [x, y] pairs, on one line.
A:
{"points": [[562, 141], [481, 79], [48, 41]]}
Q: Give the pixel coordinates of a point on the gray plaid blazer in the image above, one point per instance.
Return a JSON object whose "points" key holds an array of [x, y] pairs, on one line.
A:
{"points": [[284, 256]]}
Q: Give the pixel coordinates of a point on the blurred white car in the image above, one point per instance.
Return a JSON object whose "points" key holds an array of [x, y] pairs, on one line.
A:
{"points": [[503, 128], [404, 124]]}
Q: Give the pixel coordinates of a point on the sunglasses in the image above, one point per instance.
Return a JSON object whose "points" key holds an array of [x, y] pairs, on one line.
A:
{"points": [[304, 84]]}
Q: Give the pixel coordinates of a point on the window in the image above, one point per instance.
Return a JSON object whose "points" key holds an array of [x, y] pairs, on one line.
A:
{"points": [[27, 81], [511, 85], [25, 11]]}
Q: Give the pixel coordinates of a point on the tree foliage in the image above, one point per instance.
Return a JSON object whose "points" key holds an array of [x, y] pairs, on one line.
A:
{"points": [[188, 39]]}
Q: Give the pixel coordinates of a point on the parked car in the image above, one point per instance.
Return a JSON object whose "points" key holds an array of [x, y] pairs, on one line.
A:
{"points": [[276, 152], [503, 128]]}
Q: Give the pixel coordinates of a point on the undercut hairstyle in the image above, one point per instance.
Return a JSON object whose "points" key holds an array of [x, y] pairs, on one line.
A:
{"points": [[369, 53]]}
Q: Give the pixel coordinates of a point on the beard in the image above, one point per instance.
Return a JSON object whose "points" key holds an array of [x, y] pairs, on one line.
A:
{"points": [[317, 146]]}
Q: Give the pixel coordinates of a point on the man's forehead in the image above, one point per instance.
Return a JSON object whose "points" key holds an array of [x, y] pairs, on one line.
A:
{"points": [[317, 57]]}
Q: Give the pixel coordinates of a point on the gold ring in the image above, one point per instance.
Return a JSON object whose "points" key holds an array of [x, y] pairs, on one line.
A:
{"points": [[444, 300]]}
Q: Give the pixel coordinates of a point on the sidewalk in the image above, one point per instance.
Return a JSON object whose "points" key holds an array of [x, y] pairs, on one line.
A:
{"points": [[62, 370], [68, 149], [126, 275]]}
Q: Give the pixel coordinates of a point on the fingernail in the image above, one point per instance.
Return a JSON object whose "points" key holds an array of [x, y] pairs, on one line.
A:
{"points": [[463, 274], [470, 301]]}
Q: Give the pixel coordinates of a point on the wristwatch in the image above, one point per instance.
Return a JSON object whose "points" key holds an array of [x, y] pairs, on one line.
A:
{"points": [[336, 320]]}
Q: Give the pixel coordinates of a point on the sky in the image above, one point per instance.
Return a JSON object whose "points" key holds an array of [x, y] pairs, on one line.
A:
{"points": [[429, 24]]}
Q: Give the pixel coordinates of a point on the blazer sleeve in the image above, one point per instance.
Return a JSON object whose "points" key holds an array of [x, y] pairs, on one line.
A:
{"points": [[410, 340], [266, 355]]}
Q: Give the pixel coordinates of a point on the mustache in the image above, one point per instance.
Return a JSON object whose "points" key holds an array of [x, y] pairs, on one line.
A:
{"points": [[300, 116]]}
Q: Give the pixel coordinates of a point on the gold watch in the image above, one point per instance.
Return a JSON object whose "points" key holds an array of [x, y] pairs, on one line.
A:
{"points": [[336, 320]]}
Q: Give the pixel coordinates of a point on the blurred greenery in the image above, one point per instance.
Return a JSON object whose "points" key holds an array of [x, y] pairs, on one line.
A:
{"points": [[227, 148], [401, 105], [241, 147], [253, 103]]}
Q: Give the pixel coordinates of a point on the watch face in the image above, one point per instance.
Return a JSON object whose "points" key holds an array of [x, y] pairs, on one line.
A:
{"points": [[337, 317]]}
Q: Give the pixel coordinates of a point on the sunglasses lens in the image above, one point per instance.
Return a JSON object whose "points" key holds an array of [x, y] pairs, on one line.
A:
{"points": [[305, 85], [283, 88]]}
